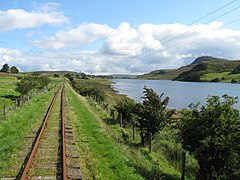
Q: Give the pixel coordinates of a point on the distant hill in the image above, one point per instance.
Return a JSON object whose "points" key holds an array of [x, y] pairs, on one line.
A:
{"points": [[54, 72], [206, 67], [168, 74], [206, 58], [198, 69]]}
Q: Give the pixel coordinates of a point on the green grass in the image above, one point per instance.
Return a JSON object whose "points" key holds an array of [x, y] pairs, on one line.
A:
{"points": [[150, 165], [110, 95], [105, 158], [223, 76], [7, 90], [15, 128]]}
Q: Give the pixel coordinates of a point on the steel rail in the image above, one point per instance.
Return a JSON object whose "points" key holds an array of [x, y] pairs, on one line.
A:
{"points": [[64, 160], [33, 152]]}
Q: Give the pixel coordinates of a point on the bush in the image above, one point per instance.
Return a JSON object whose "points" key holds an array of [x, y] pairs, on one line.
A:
{"points": [[29, 83], [216, 80], [234, 81], [211, 134]]}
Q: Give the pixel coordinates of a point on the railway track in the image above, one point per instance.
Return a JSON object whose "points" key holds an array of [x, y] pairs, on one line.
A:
{"points": [[53, 154]]}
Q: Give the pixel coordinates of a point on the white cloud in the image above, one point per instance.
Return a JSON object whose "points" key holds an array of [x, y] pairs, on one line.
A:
{"points": [[127, 49], [20, 19], [84, 34]]}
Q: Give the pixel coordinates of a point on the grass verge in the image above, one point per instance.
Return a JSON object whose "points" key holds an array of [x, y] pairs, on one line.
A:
{"points": [[101, 157], [15, 128], [105, 158]]}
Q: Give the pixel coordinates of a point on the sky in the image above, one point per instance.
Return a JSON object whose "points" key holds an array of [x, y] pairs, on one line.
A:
{"points": [[116, 37]]}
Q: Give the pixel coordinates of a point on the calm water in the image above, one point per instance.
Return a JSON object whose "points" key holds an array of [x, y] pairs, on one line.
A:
{"points": [[181, 94]]}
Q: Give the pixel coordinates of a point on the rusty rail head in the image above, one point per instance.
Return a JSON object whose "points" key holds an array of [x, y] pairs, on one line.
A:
{"points": [[64, 160], [33, 152]]}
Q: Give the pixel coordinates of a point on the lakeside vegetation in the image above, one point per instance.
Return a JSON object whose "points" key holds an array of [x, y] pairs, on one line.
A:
{"points": [[117, 136], [172, 140]]}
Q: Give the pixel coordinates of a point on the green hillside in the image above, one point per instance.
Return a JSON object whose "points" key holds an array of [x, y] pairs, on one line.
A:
{"points": [[205, 68], [208, 67], [169, 74]]}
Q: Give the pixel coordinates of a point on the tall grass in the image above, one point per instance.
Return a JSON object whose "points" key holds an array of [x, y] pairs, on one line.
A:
{"points": [[107, 160], [16, 126], [104, 157]]}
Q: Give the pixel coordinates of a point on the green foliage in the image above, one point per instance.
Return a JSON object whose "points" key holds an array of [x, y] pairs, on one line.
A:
{"points": [[101, 154], [87, 88], [14, 70], [236, 70], [69, 76], [16, 127], [234, 81], [205, 67], [212, 135], [29, 83], [5, 68], [216, 80], [224, 76], [153, 114], [56, 75], [125, 106]]}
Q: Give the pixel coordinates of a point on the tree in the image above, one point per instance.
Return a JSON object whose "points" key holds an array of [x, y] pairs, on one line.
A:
{"points": [[69, 76], [14, 70], [29, 83], [125, 107], [211, 134], [236, 70], [5, 68], [26, 84], [153, 114]]}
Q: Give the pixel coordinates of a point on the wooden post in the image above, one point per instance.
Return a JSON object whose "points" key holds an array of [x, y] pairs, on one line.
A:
{"points": [[183, 164], [133, 131], [15, 105], [120, 119], [150, 142], [112, 113], [4, 111]]}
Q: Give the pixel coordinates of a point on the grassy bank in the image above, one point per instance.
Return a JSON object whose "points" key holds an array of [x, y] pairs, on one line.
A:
{"points": [[102, 158], [105, 131], [7, 90], [165, 159], [15, 128], [226, 77]]}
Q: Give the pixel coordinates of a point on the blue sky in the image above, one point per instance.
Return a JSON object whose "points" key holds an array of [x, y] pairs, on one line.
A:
{"points": [[115, 36]]}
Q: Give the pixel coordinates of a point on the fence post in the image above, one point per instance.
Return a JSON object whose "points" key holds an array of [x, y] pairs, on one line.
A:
{"points": [[15, 105], [133, 131], [4, 110], [120, 119], [112, 113], [150, 142], [183, 164]]}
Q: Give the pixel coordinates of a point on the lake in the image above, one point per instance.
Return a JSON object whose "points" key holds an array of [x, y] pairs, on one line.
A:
{"points": [[181, 94]]}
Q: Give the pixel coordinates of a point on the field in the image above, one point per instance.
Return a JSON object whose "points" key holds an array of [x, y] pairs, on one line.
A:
{"points": [[14, 130], [7, 91], [223, 77]]}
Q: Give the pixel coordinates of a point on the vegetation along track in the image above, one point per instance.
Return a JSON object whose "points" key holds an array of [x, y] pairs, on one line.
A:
{"points": [[53, 154]]}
